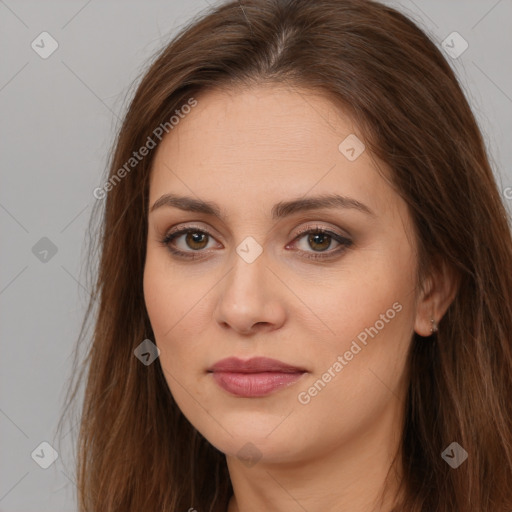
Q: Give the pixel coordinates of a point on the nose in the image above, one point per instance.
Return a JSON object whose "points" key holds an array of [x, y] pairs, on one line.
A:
{"points": [[250, 298]]}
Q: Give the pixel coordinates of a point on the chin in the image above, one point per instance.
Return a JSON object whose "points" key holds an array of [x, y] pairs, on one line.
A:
{"points": [[250, 440]]}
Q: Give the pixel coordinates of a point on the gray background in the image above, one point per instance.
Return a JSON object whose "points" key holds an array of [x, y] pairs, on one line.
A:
{"points": [[57, 124]]}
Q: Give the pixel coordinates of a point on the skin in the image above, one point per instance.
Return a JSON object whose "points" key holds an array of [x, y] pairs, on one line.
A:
{"points": [[247, 150]]}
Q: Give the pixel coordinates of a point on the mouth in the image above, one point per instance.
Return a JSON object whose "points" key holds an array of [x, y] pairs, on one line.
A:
{"points": [[254, 377]]}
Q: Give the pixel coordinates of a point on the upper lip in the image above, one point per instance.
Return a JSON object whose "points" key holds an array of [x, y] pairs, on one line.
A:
{"points": [[253, 365]]}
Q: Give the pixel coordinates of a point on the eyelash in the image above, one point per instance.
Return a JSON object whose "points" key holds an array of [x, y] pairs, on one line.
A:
{"points": [[345, 243]]}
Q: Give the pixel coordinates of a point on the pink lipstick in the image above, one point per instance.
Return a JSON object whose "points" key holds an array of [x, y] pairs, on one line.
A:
{"points": [[255, 377]]}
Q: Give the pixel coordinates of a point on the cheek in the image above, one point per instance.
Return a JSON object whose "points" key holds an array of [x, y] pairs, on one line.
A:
{"points": [[360, 378], [162, 305], [170, 296], [174, 302], [374, 299], [157, 297], [370, 316]]}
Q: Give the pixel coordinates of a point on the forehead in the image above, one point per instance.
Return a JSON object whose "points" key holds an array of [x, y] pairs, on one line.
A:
{"points": [[266, 121], [265, 142]]}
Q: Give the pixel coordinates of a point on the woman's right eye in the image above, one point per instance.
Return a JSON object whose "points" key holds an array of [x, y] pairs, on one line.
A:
{"points": [[195, 239]]}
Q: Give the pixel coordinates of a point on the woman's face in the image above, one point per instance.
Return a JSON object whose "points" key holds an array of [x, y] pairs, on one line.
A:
{"points": [[339, 307]]}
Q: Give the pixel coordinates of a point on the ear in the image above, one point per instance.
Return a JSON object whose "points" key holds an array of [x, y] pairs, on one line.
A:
{"points": [[437, 293]]}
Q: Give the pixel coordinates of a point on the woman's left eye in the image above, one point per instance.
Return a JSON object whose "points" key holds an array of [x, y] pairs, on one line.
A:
{"points": [[316, 238], [322, 239]]}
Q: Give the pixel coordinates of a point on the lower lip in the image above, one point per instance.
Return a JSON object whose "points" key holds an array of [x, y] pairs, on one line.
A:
{"points": [[254, 384]]}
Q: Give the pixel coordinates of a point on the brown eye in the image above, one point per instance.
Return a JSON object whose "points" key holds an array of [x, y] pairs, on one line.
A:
{"points": [[321, 241], [316, 242], [187, 243], [196, 240]]}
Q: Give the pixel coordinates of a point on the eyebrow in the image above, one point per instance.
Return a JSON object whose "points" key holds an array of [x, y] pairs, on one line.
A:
{"points": [[279, 210]]}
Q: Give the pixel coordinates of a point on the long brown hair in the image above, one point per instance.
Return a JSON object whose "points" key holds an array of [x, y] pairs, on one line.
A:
{"points": [[136, 451]]}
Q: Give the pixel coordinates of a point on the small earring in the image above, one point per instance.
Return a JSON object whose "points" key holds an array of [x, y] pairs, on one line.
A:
{"points": [[433, 329]]}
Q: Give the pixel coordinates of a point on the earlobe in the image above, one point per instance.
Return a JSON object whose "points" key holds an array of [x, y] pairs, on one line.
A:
{"points": [[426, 309], [438, 292]]}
